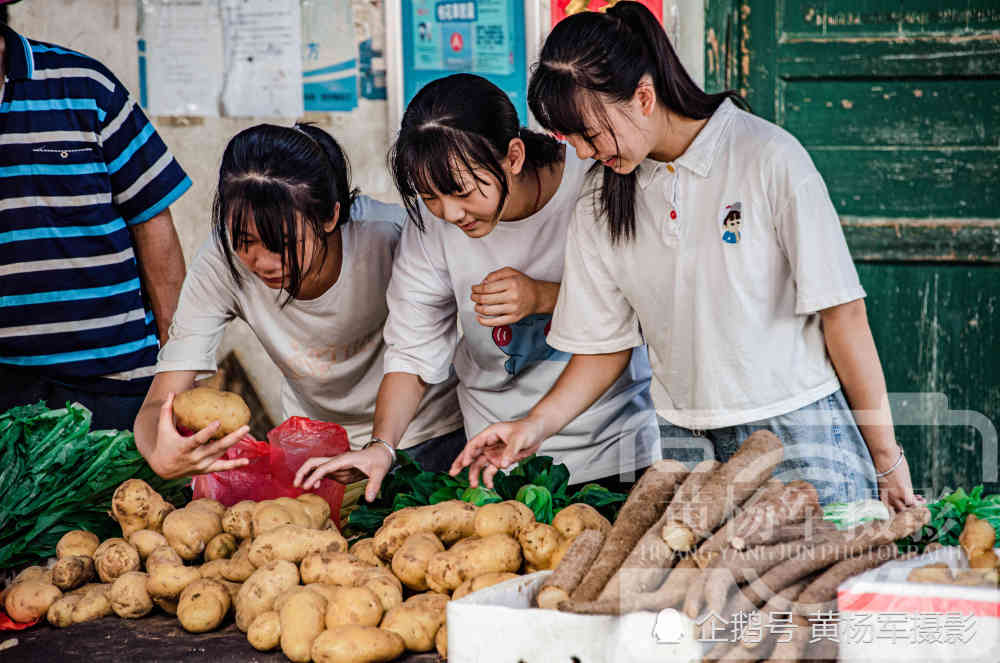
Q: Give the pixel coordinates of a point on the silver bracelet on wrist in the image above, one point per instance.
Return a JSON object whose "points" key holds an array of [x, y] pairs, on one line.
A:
{"points": [[879, 475], [378, 440]]}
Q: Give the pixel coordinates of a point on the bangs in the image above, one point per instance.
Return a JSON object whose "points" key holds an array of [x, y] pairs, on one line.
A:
{"points": [[257, 203], [561, 105], [433, 158]]}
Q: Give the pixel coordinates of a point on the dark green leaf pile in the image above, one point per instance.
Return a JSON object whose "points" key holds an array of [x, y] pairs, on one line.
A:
{"points": [[535, 481], [57, 475]]}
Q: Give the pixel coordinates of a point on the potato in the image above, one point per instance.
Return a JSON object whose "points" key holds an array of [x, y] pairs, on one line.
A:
{"points": [[167, 582], [294, 543], [203, 605], [128, 596], [416, 624], [238, 519], [540, 543], [30, 600], [508, 517], [333, 568], [213, 506], [353, 605], [261, 589], [93, 604], [297, 510], [268, 515], [449, 521], [441, 641], [317, 508], [938, 572], [470, 558], [40, 573], [432, 600], [385, 586], [481, 582], [71, 572], [163, 556], [135, 505], [572, 520], [264, 633], [189, 530], [60, 613], [145, 541], [357, 644], [303, 618], [196, 408], [168, 606], [364, 549], [410, 561], [238, 568], [213, 570], [114, 558], [77, 543], [222, 546]]}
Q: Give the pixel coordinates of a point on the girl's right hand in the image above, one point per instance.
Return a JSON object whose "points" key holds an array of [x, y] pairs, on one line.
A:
{"points": [[179, 456], [373, 462], [498, 447]]}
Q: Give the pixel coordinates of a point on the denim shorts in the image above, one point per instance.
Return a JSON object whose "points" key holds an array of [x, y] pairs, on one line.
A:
{"points": [[822, 446]]}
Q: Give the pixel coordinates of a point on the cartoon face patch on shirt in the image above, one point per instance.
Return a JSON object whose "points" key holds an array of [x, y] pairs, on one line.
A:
{"points": [[524, 343], [732, 221]]}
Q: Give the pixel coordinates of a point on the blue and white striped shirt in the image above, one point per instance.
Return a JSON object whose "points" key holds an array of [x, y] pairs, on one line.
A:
{"points": [[79, 164]]}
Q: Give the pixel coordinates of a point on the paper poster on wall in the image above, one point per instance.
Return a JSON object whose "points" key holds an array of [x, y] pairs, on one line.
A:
{"points": [[180, 57], [329, 56], [560, 9], [371, 50], [485, 37], [263, 56]]}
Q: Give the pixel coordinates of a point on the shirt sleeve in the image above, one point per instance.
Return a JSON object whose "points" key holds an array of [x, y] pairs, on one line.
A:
{"points": [[809, 231], [592, 315], [207, 303], [421, 333], [145, 177]]}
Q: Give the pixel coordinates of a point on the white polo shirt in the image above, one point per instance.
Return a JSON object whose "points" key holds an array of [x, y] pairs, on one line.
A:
{"points": [[730, 312]]}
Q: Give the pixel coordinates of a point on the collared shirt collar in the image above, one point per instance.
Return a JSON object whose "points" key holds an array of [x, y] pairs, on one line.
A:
{"points": [[700, 154], [18, 61]]}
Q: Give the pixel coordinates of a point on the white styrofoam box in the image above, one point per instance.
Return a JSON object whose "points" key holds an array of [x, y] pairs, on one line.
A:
{"points": [[499, 625], [885, 619]]}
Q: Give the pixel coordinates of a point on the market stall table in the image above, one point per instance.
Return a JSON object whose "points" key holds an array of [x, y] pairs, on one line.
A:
{"points": [[154, 639]]}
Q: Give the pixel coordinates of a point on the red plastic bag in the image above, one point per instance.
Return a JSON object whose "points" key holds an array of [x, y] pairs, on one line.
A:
{"points": [[8, 624], [273, 464]]}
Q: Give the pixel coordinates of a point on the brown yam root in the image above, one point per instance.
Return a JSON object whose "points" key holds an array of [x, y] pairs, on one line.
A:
{"points": [[670, 595], [728, 488], [646, 502], [580, 556], [802, 529]]}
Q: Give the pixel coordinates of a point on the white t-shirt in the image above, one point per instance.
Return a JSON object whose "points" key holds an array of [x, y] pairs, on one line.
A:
{"points": [[730, 313], [504, 371], [329, 349]]}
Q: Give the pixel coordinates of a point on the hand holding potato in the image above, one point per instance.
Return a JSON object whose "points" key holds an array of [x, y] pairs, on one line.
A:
{"points": [[373, 462], [177, 456]]}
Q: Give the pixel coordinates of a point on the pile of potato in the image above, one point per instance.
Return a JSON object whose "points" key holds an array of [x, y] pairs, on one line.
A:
{"points": [[286, 572], [977, 540]]}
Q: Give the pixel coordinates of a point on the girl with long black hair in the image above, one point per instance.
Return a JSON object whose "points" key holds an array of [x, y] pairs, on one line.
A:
{"points": [[707, 233], [490, 203], [305, 261]]}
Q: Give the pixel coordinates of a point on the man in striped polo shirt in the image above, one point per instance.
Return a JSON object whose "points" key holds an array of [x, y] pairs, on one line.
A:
{"points": [[90, 263]]}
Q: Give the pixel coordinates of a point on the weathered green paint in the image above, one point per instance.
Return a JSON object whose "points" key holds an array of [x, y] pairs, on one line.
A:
{"points": [[899, 105]]}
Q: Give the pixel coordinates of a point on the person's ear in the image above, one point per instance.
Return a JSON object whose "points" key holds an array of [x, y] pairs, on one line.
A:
{"points": [[645, 96], [516, 155], [331, 225]]}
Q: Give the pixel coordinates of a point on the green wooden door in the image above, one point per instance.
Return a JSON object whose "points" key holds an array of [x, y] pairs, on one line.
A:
{"points": [[899, 105]]}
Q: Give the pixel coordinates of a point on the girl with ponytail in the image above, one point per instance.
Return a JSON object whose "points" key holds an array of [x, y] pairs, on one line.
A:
{"points": [[707, 233], [490, 204], [305, 261]]}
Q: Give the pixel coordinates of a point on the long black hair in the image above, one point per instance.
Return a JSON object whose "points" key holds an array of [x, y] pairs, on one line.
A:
{"points": [[607, 54], [460, 122], [282, 180]]}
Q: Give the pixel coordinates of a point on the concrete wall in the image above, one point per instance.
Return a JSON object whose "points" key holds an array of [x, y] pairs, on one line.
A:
{"points": [[106, 30]]}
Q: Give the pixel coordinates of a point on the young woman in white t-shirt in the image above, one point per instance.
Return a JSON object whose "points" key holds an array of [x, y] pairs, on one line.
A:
{"points": [[490, 204], [305, 261], [708, 234]]}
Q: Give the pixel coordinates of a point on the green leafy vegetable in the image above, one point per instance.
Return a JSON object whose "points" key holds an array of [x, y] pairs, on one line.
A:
{"points": [[538, 499], [948, 516]]}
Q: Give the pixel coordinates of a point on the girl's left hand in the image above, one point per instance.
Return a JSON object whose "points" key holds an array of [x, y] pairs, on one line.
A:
{"points": [[896, 489], [506, 296]]}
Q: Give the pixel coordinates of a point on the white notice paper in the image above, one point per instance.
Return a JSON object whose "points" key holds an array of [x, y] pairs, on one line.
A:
{"points": [[263, 55], [184, 62]]}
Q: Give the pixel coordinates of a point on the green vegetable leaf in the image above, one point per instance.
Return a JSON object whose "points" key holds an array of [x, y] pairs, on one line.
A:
{"points": [[539, 500], [480, 495]]}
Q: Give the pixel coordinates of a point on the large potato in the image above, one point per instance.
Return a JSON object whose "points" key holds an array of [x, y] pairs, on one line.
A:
{"points": [[294, 543], [129, 597], [189, 530], [199, 407], [268, 515], [77, 542], [264, 633], [333, 568], [353, 605], [220, 547], [94, 603], [385, 586], [238, 567], [258, 593], [471, 558], [145, 541], [541, 544], [114, 558], [317, 508], [167, 581], [572, 520], [415, 623], [303, 618], [135, 505], [508, 517], [71, 572], [411, 560], [357, 644], [481, 582], [30, 600], [364, 549], [203, 605], [60, 613], [449, 521], [238, 519]]}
